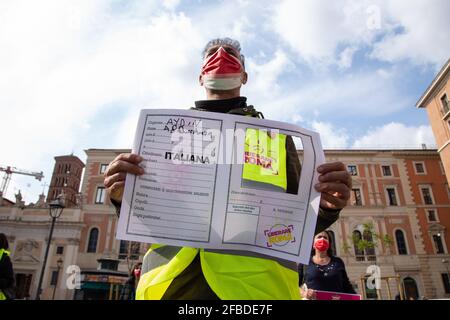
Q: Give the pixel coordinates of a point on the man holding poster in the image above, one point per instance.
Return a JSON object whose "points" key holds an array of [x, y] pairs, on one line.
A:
{"points": [[173, 272]]}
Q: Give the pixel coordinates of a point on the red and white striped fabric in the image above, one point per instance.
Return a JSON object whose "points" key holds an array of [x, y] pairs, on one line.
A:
{"points": [[222, 71]]}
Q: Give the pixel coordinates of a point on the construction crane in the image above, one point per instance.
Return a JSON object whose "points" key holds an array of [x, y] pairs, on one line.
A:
{"points": [[10, 170]]}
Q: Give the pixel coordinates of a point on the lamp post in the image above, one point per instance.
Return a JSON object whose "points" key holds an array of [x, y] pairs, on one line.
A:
{"points": [[55, 210], [59, 264]]}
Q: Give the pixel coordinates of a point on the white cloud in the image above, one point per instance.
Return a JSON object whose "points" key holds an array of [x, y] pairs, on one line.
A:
{"points": [[171, 4], [396, 135], [317, 29], [328, 96], [424, 35], [331, 136], [263, 78], [346, 57], [62, 66], [67, 67], [330, 32]]}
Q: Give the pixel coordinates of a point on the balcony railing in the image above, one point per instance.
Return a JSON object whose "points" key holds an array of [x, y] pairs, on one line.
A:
{"points": [[364, 258]]}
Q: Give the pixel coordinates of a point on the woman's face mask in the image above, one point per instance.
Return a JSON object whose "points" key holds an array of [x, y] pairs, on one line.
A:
{"points": [[321, 244], [222, 71]]}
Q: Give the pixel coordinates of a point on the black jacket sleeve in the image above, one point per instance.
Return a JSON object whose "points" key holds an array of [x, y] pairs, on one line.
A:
{"points": [[6, 273], [347, 286], [116, 205], [293, 170]]}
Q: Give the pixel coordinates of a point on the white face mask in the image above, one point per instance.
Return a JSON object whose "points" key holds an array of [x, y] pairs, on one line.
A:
{"points": [[222, 71], [221, 83]]}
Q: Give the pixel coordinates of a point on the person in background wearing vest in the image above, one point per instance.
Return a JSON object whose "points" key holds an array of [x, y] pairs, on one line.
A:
{"points": [[325, 271], [170, 272], [6, 270]]}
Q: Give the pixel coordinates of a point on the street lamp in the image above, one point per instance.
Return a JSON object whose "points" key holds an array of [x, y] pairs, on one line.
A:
{"points": [[59, 264], [55, 210]]}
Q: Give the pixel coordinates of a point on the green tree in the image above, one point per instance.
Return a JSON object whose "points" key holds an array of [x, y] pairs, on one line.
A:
{"points": [[370, 239]]}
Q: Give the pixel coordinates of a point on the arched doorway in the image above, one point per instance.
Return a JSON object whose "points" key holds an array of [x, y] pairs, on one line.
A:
{"points": [[411, 291]]}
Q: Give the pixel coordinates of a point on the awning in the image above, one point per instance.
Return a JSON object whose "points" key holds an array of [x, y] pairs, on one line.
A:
{"points": [[95, 285]]}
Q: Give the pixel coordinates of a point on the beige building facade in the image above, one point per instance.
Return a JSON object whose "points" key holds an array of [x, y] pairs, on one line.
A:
{"points": [[400, 202], [27, 228], [387, 194], [436, 100]]}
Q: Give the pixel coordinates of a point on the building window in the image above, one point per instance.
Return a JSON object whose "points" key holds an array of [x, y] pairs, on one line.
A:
{"points": [[386, 171], [353, 170], [54, 279], [419, 167], [356, 197], [410, 287], [426, 195], [103, 168], [127, 249], [401, 243], [135, 250], [437, 238], [92, 242], [359, 253], [392, 196], [432, 216], [370, 251], [100, 195], [446, 282], [123, 249], [59, 250], [445, 104]]}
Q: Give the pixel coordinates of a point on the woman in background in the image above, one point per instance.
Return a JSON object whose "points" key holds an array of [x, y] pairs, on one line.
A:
{"points": [[325, 272], [129, 289]]}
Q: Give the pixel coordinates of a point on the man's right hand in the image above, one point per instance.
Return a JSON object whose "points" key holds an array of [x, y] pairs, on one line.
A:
{"points": [[117, 171]]}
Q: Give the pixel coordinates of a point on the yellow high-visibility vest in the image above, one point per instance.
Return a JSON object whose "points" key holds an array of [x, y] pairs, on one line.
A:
{"points": [[234, 276], [231, 277], [3, 251]]}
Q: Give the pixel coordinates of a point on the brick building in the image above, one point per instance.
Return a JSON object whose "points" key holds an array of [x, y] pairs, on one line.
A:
{"points": [[66, 179], [401, 194]]}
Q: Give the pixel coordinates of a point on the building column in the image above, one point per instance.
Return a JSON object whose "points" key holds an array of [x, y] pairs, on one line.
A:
{"points": [[70, 259]]}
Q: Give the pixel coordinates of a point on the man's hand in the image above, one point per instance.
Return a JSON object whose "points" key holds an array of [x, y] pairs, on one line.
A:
{"points": [[335, 184], [117, 171]]}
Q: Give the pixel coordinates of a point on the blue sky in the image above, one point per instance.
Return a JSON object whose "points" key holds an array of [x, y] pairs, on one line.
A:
{"points": [[76, 73]]}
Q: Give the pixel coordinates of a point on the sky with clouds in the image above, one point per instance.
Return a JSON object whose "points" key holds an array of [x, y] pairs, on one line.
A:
{"points": [[74, 74]]}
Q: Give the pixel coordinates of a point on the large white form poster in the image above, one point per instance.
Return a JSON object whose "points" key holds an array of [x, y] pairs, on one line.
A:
{"points": [[225, 182]]}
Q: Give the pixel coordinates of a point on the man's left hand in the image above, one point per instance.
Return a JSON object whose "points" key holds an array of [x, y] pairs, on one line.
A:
{"points": [[335, 184]]}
